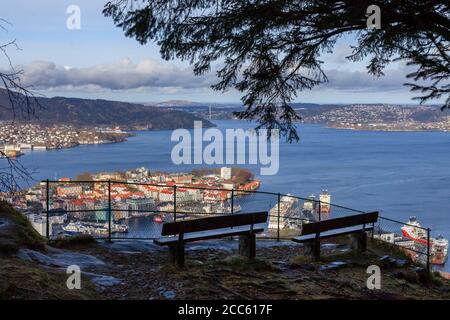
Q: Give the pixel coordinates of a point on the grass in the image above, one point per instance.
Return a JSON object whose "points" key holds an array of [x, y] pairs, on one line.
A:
{"points": [[24, 280], [385, 248], [238, 262], [17, 231], [74, 242]]}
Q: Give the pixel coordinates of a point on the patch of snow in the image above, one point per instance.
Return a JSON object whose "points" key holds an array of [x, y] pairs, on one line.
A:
{"points": [[60, 258]]}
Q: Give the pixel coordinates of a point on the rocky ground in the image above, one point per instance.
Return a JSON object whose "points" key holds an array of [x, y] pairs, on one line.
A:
{"points": [[141, 270], [214, 271]]}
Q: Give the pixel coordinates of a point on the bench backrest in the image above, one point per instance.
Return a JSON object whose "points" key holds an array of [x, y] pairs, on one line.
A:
{"points": [[339, 223], [211, 223]]}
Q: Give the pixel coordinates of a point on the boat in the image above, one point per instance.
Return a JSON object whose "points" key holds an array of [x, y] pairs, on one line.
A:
{"points": [[73, 228], [119, 228], [325, 202], [439, 250], [221, 208], [289, 213], [439, 246], [413, 231], [158, 219]]}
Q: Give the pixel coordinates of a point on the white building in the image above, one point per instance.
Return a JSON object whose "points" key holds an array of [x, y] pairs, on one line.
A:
{"points": [[39, 223], [225, 173], [386, 237], [12, 147], [26, 146]]}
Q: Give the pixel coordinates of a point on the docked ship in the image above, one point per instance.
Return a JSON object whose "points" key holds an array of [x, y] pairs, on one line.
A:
{"points": [[221, 208], [94, 229], [289, 213], [75, 228], [413, 231], [439, 250], [325, 202], [439, 246]]}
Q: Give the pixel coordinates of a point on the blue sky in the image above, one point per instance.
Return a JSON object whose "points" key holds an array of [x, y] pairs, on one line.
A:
{"points": [[98, 61]]}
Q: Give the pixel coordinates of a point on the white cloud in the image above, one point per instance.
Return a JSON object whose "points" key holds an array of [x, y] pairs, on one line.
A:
{"points": [[127, 76], [356, 81], [121, 75]]}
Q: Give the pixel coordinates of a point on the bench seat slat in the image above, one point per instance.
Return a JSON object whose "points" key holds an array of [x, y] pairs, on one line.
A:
{"points": [[213, 223], [330, 234], [205, 235], [339, 223]]}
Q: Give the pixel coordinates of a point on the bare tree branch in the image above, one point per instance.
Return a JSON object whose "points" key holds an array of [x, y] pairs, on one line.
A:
{"points": [[21, 101]]}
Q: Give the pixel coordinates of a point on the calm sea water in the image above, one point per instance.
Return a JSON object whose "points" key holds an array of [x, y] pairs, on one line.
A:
{"points": [[398, 173]]}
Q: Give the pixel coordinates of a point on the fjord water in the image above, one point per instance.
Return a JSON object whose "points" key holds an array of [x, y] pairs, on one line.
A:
{"points": [[397, 173]]}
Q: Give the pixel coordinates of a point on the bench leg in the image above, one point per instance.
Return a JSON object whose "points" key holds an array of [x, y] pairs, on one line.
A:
{"points": [[312, 249], [359, 241], [316, 248], [247, 245], [177, 254]]}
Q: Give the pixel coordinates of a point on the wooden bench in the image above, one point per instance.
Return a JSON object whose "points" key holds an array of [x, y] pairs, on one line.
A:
{"points": [[176, 234], [312, 233]]}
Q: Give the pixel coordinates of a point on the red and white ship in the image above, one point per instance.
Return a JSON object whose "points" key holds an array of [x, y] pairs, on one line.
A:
{"points": [[413, 231], [325, 200], [439, 246]]}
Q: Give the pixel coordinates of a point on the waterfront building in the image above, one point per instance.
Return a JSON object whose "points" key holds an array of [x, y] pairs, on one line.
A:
{"points": [[225, 173], [69, 190], [166, 195], [182, 179], [39, 224], [101, 211], [140, 205]]}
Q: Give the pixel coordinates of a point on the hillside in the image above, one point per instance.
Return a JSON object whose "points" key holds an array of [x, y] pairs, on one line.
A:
{"points": [[32, 269], [330, 113], [87, 112]]}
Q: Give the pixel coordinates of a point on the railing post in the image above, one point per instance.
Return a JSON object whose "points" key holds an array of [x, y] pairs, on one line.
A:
{"points": [[47, 200], [278, 228], [174, 203], [428, 251], [320, 211], [373, 230], [232, 201], [232, 206], [109, 210]]}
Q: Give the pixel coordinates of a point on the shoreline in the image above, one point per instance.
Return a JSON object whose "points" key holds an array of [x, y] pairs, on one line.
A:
{"points": [[384, 130], [28, 151]]}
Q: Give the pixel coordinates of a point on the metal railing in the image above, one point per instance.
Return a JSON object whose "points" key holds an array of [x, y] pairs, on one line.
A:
{"points": [[115, 210], [392, 231]]}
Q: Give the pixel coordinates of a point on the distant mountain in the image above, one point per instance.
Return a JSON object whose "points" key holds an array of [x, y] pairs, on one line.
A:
{"points": [[177, 103], [192, 104], [331, 113], [87, 112]]}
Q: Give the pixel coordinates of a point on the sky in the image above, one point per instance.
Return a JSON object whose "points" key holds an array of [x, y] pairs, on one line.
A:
{"points": [[98, 61]]}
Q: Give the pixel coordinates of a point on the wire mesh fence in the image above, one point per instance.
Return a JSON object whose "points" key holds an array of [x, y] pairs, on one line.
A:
{"points": [[138, 210], [415, 241], [124, 210]]}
